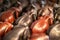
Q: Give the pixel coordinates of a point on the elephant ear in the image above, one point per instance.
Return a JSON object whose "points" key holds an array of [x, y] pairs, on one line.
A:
{"points": [[48, 31], [57, 16], [34, 17], [51, 27], [26, 34], [17, 20], [55, 32], [20, 19], [15, 34]]}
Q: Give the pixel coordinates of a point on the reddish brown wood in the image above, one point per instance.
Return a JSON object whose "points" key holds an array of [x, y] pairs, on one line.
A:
{"points": [[9, 16], [5, 27], [41, 36], [41, 25]]}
